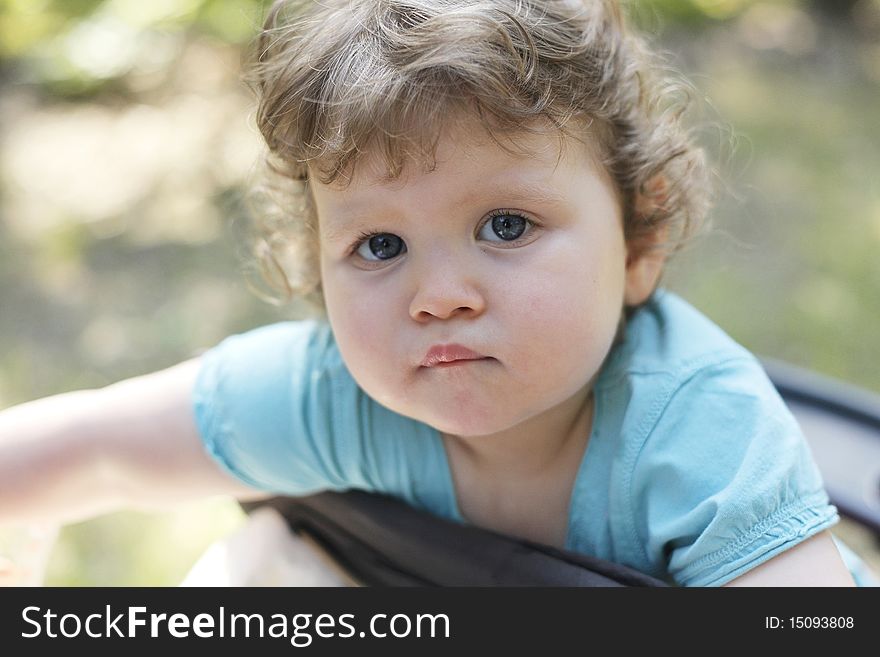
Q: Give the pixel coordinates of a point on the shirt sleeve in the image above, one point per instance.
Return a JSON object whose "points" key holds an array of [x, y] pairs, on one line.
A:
{"points": [[259, 402], [725, 479]]}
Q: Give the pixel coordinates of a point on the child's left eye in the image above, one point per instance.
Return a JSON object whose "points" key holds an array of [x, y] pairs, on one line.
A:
{"points": [[504, 226]]}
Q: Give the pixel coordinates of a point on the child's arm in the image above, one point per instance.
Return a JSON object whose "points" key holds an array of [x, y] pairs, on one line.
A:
{"points": [[815, 562], [135, 443]]}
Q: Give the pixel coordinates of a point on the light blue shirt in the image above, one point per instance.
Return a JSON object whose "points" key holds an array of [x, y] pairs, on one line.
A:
{"points": [[695, 470]]}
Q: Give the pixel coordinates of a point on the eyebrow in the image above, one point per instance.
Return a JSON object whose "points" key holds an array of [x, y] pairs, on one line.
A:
{"points": [[521, 191]]}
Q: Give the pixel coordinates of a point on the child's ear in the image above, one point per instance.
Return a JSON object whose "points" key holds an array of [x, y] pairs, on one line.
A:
{"points": [[646, 257], [643, 271]]}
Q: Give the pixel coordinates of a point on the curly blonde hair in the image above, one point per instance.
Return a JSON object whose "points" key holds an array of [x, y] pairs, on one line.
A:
{"points": [[336, 79]]}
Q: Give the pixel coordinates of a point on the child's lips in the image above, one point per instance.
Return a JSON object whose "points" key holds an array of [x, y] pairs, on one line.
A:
{"points": [[447, 355]]}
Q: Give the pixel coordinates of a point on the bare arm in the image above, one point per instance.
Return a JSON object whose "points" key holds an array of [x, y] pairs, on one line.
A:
{"points": [[79, 454], [815, 562]]}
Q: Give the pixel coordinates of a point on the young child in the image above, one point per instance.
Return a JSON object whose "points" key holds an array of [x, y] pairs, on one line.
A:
{"points": [[483, 195]]}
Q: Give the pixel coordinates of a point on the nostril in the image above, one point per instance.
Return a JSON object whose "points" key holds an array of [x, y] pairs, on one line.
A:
{"points": [[436, 314]]}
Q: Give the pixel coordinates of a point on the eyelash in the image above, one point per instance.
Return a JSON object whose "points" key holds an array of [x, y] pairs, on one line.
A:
{"points": [[532, 224], [361, 238]]}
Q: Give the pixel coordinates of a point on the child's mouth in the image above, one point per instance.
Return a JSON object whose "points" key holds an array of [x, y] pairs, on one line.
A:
{"points": [[449, 355]]}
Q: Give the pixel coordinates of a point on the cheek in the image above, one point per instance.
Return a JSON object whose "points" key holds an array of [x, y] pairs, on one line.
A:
{"points": [[570, 307], [365, 325], [574, 285], [356, 319]]}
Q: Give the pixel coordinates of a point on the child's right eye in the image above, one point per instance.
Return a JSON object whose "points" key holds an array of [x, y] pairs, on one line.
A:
{"points": [[380, 246]]}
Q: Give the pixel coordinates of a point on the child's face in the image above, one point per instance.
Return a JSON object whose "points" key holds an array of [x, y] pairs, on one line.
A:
{"points": [[537, 290]]}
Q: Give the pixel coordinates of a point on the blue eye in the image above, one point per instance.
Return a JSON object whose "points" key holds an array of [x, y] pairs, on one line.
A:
{"points": [[380, 246], [505, 227]]}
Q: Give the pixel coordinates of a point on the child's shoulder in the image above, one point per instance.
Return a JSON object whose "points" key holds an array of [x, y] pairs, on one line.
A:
{"points": [[709, 470], [671, 338]]}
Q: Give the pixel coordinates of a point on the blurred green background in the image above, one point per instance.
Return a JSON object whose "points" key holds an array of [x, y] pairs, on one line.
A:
{"points": [[126, 143]]}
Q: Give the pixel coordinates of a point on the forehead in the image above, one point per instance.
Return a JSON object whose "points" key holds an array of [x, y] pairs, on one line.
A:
{"points": [[467, 165]]}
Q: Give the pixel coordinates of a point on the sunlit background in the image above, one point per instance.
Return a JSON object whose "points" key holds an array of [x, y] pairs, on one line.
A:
{"points": [[126, 142]]}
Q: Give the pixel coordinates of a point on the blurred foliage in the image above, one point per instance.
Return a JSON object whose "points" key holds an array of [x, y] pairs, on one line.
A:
{"points": [[126, 151], [82, 47]]}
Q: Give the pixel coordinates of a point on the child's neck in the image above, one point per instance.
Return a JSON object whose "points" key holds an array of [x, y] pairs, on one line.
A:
{"points": [[520, 481]]}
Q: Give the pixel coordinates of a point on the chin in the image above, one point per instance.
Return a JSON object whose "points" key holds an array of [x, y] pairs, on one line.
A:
{"points": [[466, 425]]}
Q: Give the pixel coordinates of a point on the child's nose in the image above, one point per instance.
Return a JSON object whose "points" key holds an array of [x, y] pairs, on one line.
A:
{"points": [[445, 288]]}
